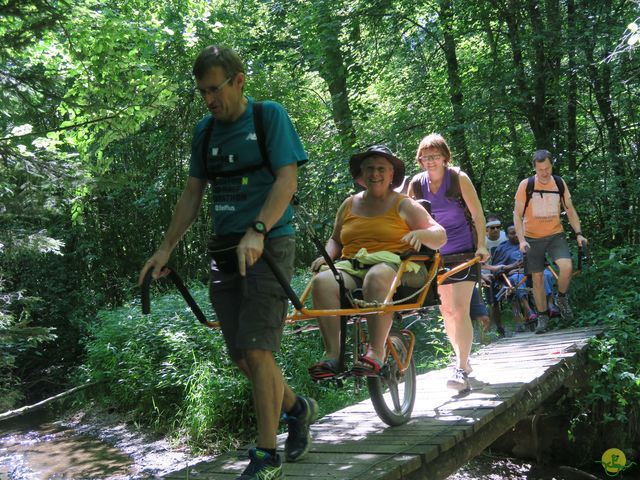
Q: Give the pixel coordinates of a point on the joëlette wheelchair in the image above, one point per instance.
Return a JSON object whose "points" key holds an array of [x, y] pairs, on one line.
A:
{"points": [[504, 291], [393, 391]]}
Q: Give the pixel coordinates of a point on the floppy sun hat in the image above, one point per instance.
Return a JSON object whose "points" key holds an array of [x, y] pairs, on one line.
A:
{"points": [[382, 151]]}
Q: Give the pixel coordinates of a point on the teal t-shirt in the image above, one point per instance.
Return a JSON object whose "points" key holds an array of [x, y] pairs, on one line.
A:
{"points": [[237, 200]]}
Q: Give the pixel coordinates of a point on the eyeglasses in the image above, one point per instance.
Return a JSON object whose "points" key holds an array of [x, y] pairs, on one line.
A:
{"points": [[430, 158], [495, 227], [214, 90]]}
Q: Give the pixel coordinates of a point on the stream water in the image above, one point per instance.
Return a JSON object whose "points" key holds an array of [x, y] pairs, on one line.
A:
{"points": [[39, 447], [100, 446]]}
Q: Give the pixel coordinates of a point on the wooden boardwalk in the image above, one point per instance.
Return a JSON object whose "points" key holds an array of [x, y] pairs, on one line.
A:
{"points": [[511, 378]]}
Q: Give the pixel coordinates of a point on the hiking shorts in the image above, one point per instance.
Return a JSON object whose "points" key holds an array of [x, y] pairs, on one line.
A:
{"points": [[469, 274], [555, 246], [251, 310], [477, 307]]}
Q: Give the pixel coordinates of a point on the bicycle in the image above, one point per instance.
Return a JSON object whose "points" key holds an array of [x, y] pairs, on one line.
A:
{"points": [[393, 391]]}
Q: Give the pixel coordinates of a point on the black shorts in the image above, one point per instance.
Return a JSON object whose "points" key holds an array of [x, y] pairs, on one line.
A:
{"points": [[469, 274], [252, 317], [555, 246]]}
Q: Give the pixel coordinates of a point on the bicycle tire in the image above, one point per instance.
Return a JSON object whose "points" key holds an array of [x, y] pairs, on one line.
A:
{"points": [[393, 394]]}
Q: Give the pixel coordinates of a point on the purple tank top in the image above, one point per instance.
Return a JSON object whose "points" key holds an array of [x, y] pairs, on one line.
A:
{"points": [[450, 214]]}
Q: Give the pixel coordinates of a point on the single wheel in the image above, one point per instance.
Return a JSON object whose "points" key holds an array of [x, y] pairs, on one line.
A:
{"points": [[393, 393]]}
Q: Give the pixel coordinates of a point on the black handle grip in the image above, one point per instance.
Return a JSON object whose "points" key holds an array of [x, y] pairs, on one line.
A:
{"points": [[177, 281], [583, 254]]}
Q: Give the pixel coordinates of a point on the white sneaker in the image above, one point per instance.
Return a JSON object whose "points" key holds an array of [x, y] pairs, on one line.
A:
{"points": [[459, 380]]}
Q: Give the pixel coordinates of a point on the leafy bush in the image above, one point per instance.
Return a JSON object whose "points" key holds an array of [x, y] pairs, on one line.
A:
{"points": [[608, 294], [172, 373]]}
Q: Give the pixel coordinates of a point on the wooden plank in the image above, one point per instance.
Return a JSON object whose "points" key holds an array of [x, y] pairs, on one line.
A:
{"points": [[510, 378]]}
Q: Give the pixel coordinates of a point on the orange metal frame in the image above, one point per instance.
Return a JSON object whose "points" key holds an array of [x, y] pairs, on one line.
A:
{"points": [[385, 307]]}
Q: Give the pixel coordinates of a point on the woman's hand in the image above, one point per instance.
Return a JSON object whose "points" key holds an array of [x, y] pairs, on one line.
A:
{"points": [[317, 263], [483, 253], [413, 239]]}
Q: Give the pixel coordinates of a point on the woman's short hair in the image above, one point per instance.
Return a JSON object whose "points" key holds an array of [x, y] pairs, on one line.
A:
{"points": [[216, 56], [434, 140]]}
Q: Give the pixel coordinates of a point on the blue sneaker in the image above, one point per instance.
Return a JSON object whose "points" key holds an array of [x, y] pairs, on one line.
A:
{"points": [[262, 467], [299, 440]]}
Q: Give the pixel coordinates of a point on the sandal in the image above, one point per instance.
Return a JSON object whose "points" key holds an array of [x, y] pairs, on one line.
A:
{"points": [[367, 367], [324, 369]]}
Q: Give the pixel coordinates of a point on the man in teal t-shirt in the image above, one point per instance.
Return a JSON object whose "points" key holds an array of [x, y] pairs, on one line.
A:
{"points": [[250, 204]]}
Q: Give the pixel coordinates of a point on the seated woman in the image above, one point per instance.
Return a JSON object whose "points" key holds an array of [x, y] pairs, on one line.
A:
{"points": [[376, 221]]}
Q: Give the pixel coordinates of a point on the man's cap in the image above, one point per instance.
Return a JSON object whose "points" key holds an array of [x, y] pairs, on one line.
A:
{"points": [[493, 223], [355, 162]]}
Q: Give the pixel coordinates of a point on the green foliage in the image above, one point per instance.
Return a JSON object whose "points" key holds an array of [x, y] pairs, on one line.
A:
{"points": [[170, 372], [97, 109], [607, 294], [18, 339]]}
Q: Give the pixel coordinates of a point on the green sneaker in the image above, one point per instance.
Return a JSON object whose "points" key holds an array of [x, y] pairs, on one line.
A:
{"points": [[299, 440], [262, 467]]}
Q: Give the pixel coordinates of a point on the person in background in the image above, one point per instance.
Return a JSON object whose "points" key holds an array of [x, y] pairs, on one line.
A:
{"points": [[537, 220], [455, 205], [479, 313], [495, 234], [507, 258], [251, 199]]}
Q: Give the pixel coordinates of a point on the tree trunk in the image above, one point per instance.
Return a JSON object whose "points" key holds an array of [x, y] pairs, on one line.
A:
{"points": [[459, 141], [572, 94], [334, 72]]}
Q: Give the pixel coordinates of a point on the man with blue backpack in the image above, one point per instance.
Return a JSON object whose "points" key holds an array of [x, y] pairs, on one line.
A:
{"points": [[249, 152], [539, 202]]}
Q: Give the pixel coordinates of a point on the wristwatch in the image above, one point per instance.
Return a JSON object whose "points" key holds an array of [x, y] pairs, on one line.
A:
{"points": [[578, 234], [259, 227]]}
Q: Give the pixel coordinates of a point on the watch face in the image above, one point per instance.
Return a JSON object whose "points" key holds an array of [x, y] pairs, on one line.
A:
{"points": [[259, 227]]}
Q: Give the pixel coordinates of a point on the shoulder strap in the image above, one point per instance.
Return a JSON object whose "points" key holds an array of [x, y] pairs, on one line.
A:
{"points": [[261, 136], [531, 188], [258, 122], [416, 187], [205, 144], [454, 193], [531, 181], [560, 185]]}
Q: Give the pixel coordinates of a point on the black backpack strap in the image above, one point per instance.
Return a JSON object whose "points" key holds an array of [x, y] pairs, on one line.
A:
{"points": [[531, 181], [560, 185], [454, 193], [531, 188], [261, 137], [416, 187], [208, 130]]}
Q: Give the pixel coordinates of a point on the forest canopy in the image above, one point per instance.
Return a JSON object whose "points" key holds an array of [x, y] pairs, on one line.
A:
{"points": [[98, 106]]}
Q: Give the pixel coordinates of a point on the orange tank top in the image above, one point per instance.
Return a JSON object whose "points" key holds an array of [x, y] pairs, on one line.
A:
{"points": [[376, 234]]}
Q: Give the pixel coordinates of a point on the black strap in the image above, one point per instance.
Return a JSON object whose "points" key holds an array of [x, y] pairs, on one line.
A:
{"points": [[531, 181], [258, 123], [177, 281], [453, 193]]}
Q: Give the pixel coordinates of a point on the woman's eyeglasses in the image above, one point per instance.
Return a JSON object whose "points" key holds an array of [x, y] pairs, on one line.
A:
{"points": [[430, 158]]}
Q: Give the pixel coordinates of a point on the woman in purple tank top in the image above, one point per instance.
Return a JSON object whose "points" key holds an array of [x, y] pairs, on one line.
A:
{"points": [[448, 209]]}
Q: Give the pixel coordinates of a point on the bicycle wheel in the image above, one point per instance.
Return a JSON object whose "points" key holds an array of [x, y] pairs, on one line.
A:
{"points": [[393, 393]]}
